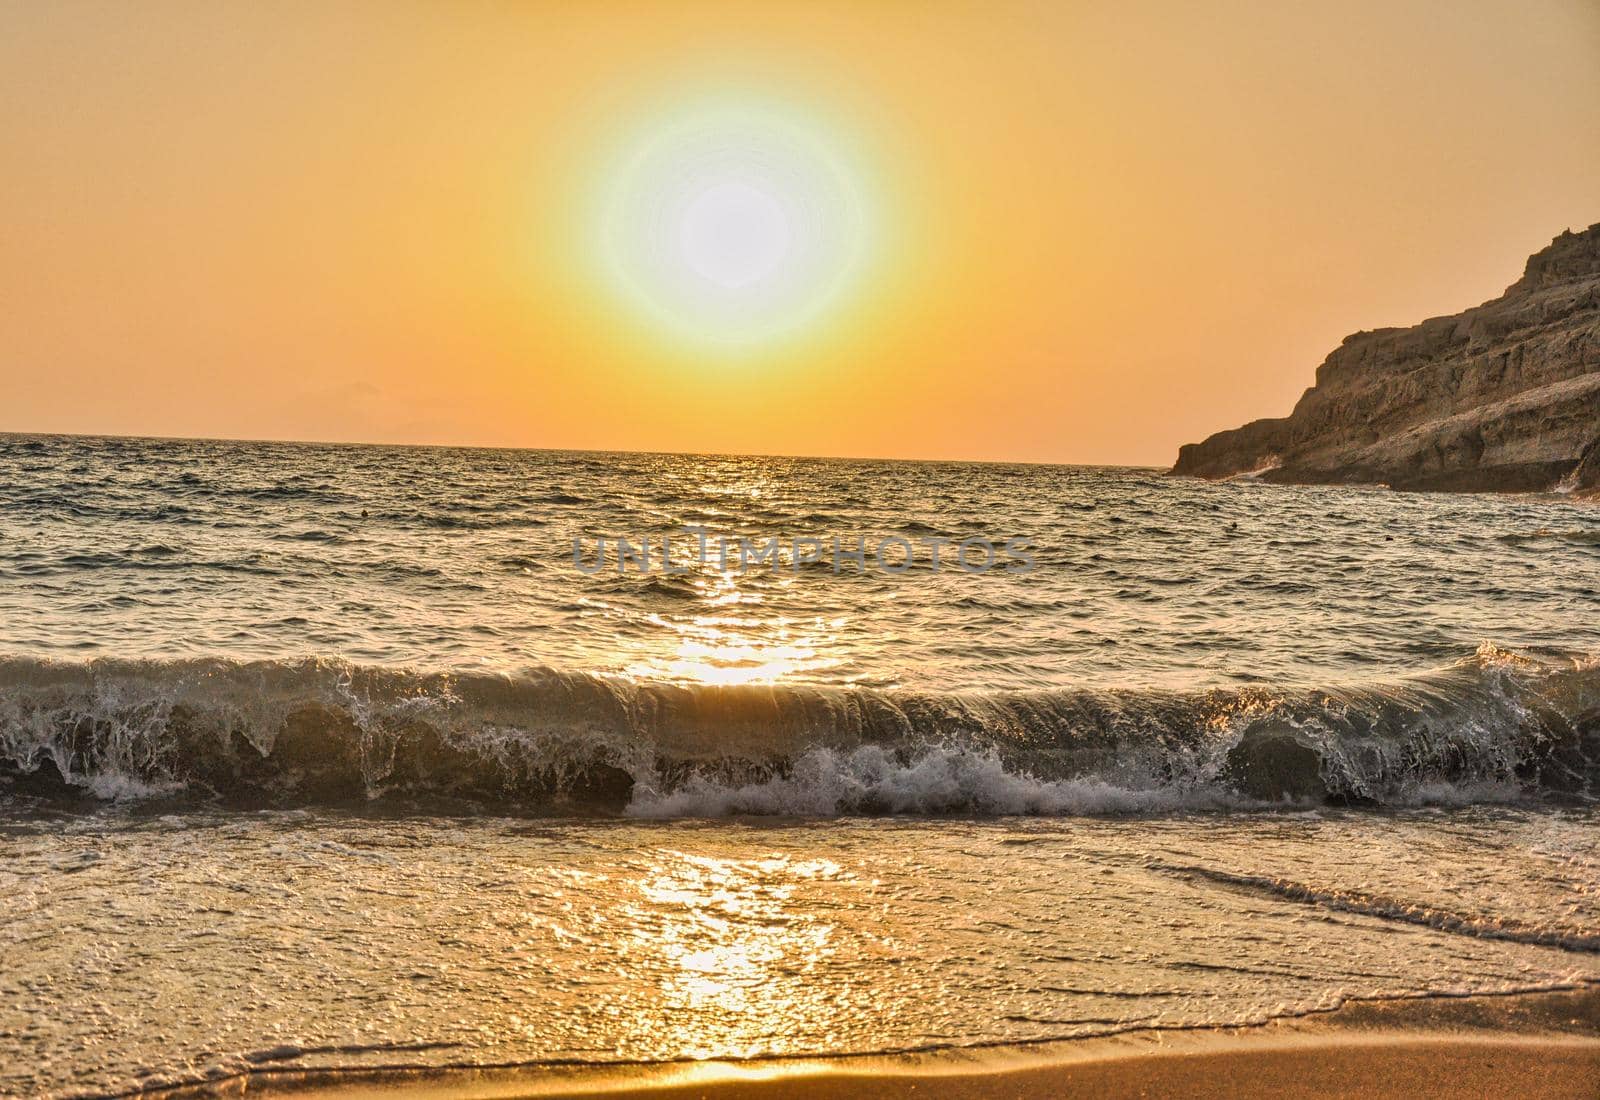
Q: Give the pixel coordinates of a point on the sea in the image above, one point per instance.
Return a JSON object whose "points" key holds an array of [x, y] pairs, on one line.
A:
{"points": [[362, 759]]}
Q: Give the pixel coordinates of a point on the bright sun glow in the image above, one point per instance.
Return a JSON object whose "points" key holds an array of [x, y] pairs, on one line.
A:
{"points": [[735, 234], [734, 224]]}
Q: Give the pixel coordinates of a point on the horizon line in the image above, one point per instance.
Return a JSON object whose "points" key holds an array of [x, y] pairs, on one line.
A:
{"points": [[572, 450]]}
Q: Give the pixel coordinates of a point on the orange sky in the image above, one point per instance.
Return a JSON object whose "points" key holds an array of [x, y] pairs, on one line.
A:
{"points": [[1102, 230]]}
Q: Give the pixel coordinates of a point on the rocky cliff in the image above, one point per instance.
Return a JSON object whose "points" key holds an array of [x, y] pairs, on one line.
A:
{"points": [[1503, 396]]}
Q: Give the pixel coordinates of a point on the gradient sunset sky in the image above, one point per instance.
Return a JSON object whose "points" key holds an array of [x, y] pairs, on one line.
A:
{"points": [[1078, 232]]}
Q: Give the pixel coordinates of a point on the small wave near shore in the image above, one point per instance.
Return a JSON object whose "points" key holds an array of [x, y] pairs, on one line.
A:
{"points": [[1493, 726]]}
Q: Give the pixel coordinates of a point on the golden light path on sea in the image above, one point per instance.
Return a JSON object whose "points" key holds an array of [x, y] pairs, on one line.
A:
{"points": [[729, 647]]}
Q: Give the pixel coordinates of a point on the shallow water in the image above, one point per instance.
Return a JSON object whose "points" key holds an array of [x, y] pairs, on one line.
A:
{"points": [[148, 950], [333, 756]]}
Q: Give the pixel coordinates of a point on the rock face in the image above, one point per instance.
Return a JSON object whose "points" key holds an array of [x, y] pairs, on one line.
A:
{"points": [[1505, 396]]}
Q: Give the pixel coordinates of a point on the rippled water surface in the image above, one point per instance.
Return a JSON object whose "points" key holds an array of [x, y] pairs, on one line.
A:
{"points": [[450, 558]]}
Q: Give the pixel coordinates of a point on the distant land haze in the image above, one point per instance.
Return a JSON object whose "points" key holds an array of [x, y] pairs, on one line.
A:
{"points": [[1087, 234]]}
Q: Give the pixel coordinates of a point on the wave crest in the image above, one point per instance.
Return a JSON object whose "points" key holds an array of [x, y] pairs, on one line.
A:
{"points": [[1496, 725]]}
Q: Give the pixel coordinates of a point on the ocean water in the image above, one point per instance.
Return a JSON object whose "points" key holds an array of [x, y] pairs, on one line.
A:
{"points": [[328, 756]]}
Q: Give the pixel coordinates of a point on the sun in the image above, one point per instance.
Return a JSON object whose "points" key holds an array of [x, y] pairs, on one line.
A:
{"points": [[734, 224], [734, 234]]}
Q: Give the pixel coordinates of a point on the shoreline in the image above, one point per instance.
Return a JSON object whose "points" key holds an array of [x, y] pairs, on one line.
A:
{"points": [[1525, 1044]]}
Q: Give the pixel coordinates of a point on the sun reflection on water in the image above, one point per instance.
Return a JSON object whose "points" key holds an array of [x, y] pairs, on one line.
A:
{"points": [[730, 661], [731, 954], [737, 648]]}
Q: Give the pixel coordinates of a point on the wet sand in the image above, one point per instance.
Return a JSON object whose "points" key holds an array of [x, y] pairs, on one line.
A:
{"points": [[1533, 1045]]}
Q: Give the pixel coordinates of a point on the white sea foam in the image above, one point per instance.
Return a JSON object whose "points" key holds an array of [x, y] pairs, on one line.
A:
{"points": [[872, 778]]}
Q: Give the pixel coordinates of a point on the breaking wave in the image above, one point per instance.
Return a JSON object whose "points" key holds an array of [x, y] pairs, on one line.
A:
{"points": [[1494, 726]]}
